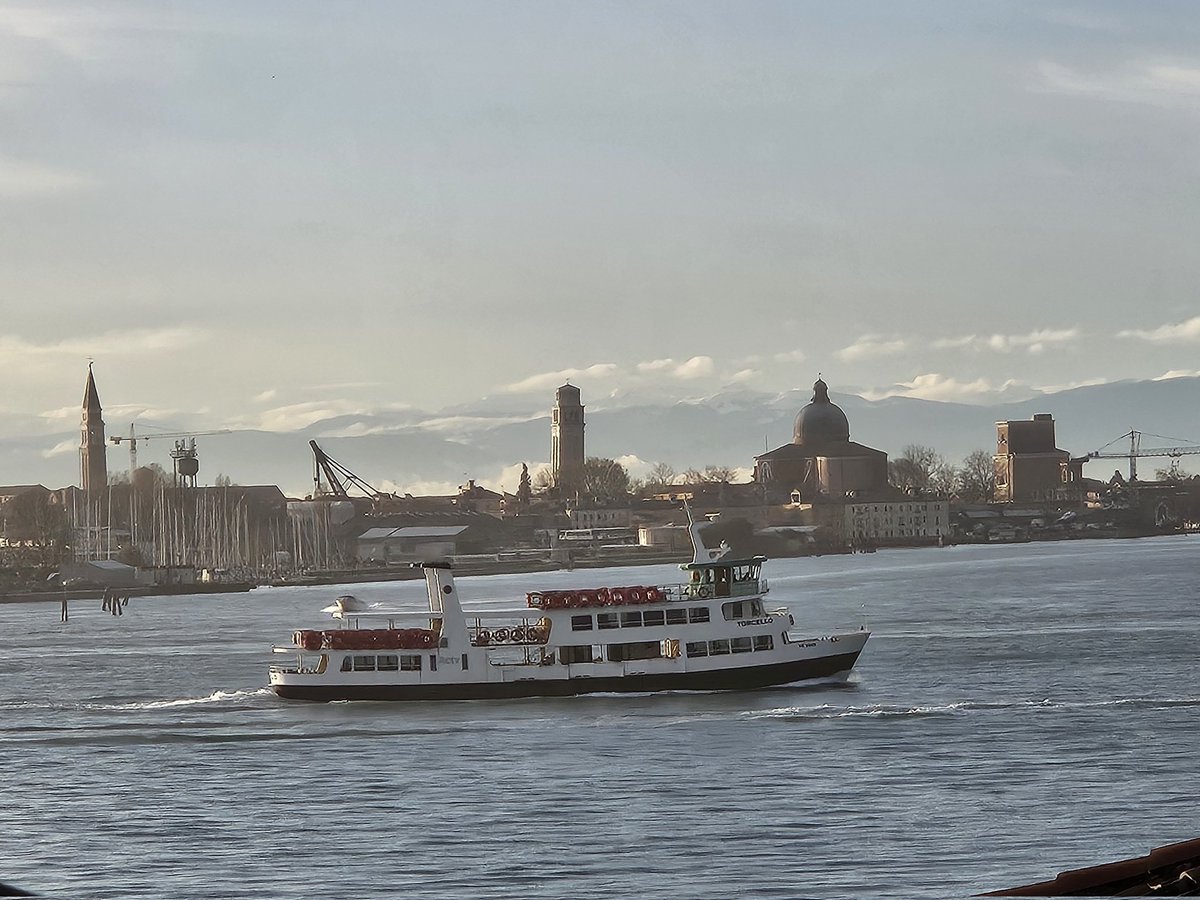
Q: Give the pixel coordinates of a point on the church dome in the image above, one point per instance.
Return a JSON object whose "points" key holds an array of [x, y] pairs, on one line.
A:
{"points": [[821, 421]]}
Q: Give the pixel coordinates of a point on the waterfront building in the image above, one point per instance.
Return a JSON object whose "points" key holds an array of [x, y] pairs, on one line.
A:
{"points": [[1028, 464], [821, 461], [566, 439], [93, 464]]}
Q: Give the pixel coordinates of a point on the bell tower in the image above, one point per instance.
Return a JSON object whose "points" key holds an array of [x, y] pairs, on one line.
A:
{"points": [[93, 463], [566, 439]]}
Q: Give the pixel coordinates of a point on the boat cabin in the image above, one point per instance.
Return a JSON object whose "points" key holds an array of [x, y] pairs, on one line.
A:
{"points": [[725, 578]]}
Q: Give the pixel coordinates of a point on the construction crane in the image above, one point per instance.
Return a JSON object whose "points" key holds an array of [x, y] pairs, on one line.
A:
{"points": [[1136, 452], [132, 438], [337, 477]]}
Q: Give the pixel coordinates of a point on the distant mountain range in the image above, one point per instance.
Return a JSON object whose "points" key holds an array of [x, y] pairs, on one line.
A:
{"points": [[431, 452]]}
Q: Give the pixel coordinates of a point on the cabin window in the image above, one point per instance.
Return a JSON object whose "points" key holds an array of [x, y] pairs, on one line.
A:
{"points": [[741, 645], [718, 648], [432, 662], [764, 642], [697, 648], [653, 617], [581, 623], [410, 662], [464, 661], [676, 616], [364, 664], [347, 664], [631, 619], [735, 610], [581, 653], [698, 614], [634, 650], [756, 608], [388, 663], [607, 620]]}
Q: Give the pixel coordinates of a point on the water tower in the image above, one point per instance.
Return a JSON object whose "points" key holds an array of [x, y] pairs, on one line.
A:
{"points": [[186, 463]]}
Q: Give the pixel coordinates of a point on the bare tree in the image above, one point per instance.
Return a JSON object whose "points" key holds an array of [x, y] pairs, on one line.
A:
{"points": [[660, 476], [977, 477], [711, 474], [920, 468], [604, 479]]}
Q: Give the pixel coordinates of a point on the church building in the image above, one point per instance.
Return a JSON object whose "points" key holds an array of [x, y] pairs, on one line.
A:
{"points": [[821, 462]]}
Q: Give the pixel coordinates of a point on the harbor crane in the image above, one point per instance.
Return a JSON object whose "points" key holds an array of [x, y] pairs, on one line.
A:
{"points": [[1136, 452], [132, 438], [337, 476]]}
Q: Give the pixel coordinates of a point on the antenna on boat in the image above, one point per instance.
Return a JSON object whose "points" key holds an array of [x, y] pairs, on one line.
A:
{"points": [[700, 553]]}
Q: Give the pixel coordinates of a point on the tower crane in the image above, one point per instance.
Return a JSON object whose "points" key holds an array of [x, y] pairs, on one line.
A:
{"points": [[1136, 452], [132, 438]]}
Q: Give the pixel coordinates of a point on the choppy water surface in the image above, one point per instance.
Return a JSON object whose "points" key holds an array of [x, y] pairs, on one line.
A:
{"points": [[1019, 710]]}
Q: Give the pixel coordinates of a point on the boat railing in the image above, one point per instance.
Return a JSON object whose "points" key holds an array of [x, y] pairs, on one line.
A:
{"points": [[707, 590]]}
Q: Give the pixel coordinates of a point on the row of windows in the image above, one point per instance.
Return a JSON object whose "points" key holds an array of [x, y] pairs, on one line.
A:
{"points": [[639, 618], [387, 662], [724, 646]]}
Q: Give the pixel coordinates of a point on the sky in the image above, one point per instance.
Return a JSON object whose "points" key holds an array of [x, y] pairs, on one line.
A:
{"points": [[263, 214]]}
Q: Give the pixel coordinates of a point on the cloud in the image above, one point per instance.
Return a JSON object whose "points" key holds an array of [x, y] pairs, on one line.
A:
{"points": [[1161, 84], [790, 356], [1034, 342], [266, 396], [1178, 373], [696, 367], [20, 178], [62, 448], [933, 386], [1182, 333], [547, 380], [743, 375], [872, 345], [655, 365], [297, 416], [505, 480], [122, 343]]}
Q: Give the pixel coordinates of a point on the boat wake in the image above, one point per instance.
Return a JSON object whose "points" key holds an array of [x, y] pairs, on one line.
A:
{"points": [[214, 697], [885, 711]]}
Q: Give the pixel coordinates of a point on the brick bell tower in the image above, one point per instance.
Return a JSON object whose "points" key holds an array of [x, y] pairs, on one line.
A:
{"points": [[93, 463], [566, 439]]}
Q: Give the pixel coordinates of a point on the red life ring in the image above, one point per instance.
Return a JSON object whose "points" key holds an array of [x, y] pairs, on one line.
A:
{"points": [[570, 601], [636, 595], [427, 639], [617, 595], [587, 598], [653, 595], [604, 596], [535, 599]]}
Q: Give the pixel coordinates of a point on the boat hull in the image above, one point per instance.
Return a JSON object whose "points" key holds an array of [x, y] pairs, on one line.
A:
{"points": [[740, 678]]}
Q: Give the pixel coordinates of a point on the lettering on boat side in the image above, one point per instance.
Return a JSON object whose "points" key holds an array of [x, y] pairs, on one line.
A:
{"points": [[448, 660], [767, 621]]}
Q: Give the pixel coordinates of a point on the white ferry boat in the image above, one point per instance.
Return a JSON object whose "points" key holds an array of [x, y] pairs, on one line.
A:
{"points": [[715, 631]]}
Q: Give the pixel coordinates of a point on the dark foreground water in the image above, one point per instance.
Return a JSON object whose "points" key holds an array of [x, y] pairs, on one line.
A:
{"points": [[1019, 710]]}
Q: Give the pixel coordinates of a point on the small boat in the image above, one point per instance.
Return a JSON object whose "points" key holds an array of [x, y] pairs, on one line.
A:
{"points": [[714, 631]]}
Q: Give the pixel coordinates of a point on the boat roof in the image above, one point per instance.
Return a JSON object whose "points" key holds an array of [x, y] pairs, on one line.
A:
{"points": [[724, 563]]}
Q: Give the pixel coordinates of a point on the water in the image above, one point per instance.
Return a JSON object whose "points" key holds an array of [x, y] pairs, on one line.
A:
{"points": [[1019, 710]]}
